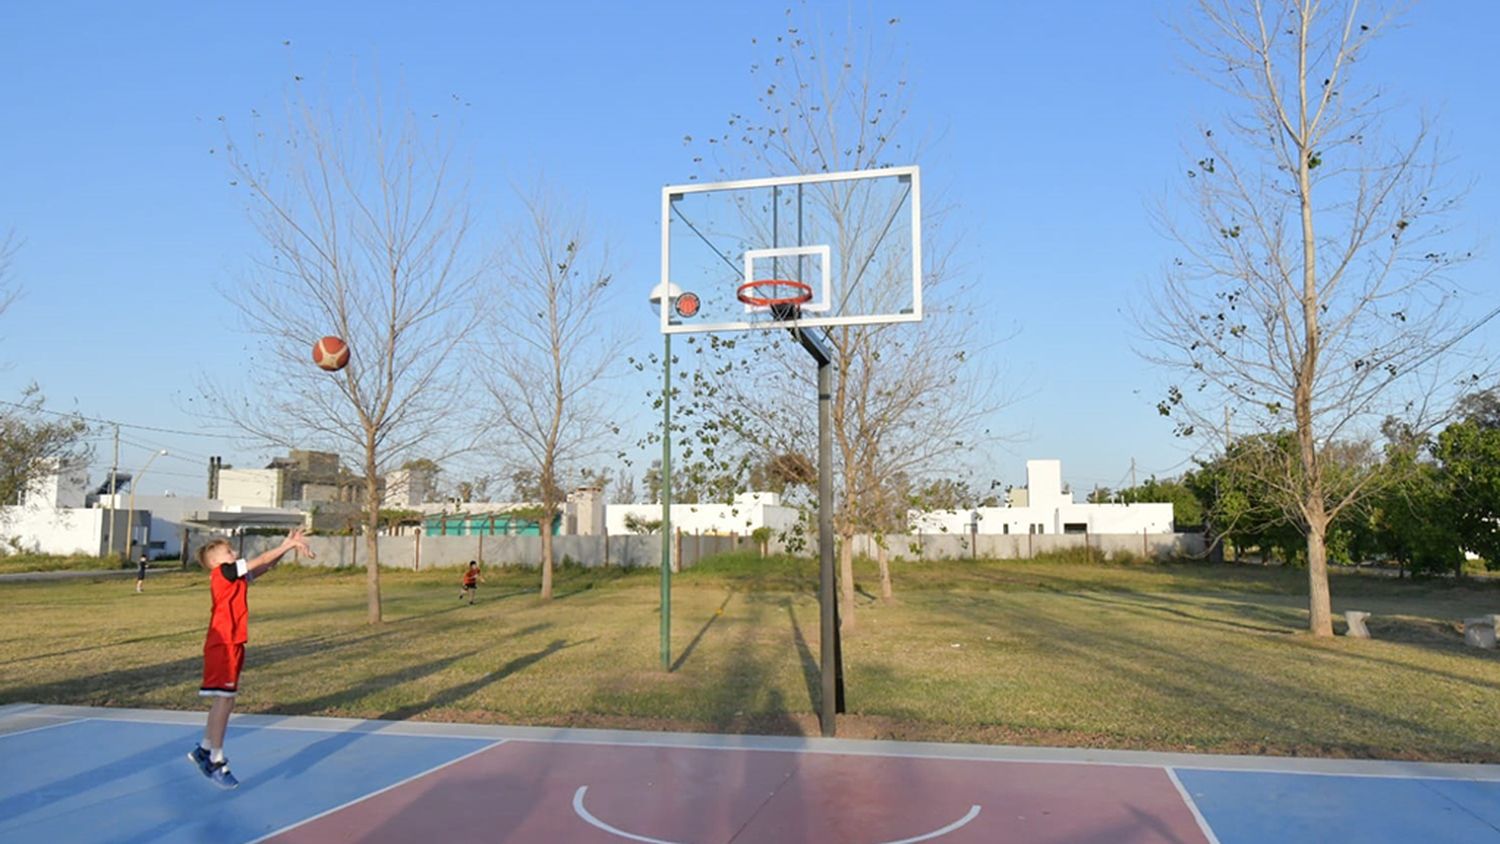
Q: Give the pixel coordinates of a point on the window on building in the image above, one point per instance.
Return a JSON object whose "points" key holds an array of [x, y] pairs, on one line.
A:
{"points": [[1075, 527]]}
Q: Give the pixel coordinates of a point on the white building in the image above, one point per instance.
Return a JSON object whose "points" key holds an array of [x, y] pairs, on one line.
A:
{"points": [[749, 511], [1043, 507], [166, 519], [407, 488], [51, 518], [251, 487]]}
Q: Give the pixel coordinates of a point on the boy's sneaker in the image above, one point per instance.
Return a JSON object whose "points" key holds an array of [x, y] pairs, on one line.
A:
{"points": [[221, 776], [202, 759]]}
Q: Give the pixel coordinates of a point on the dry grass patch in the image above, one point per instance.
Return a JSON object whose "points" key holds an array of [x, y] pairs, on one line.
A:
{"points": [[1164, 657]]}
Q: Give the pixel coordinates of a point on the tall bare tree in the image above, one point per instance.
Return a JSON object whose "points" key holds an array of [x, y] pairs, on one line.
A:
{"points": [[908, 400], [1311, 294], [9, 245], [549, 354], [367, 238]]}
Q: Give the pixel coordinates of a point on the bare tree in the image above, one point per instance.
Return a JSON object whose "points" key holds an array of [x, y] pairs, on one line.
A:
{"points": [[8, 291], [549, 354], [367, 239], [1310, 295], [908, 399]]}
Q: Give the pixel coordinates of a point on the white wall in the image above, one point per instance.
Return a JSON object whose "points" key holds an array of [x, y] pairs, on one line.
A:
{"points": [[72, 530], [750, 511], [1099, 518], [1119, 518], [1048, 507], [64, 489], [584, 514], [1044, 485], [250, 487], [406, 488]]}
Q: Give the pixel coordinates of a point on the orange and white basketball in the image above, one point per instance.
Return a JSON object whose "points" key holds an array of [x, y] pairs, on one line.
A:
{"points": [[331, 353]]}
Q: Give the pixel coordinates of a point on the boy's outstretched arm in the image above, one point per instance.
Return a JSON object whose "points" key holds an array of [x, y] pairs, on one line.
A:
{"points": [[296, 539]]}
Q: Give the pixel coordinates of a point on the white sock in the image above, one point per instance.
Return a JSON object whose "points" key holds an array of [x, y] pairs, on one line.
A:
{"points": [[216, 755], [205, 745]]}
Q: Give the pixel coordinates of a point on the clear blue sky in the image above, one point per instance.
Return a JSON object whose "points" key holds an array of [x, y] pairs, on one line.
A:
{"points": [[1054, 126]]}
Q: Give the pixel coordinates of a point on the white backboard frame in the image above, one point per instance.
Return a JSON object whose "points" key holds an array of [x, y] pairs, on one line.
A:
{"points": [[821, 300], [671, 324]]}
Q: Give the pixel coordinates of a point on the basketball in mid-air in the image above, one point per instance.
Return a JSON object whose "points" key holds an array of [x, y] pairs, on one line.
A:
{"points": [[331, 353]]}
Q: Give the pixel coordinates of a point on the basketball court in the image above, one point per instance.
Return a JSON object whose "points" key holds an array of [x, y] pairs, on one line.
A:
{"points": [[76, 774]]}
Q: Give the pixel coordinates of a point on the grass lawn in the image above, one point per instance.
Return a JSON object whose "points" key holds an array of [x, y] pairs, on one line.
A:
{"points": [[15, 563], [1189, 657]]}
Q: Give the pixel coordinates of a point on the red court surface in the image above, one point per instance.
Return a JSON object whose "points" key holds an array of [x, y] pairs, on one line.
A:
{"points": [[75, 774], [530, 791]]}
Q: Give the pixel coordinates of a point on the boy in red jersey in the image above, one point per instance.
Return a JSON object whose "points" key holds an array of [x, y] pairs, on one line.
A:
{"points": [[471, 581], [224, 647]]}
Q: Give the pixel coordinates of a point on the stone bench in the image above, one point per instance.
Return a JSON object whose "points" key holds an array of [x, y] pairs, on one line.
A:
{"points": [[1480, 632], [1357, 628]]}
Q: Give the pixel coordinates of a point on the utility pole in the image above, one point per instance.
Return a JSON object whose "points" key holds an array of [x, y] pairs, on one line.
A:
{"points": [[114, 471], [1132, 473]]}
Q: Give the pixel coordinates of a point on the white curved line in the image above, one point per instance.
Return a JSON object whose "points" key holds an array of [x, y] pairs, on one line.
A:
{"points": [[595, 822], [584, 813], [973, 813]]}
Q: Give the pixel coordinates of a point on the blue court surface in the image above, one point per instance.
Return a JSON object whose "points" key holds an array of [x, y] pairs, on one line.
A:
{"points": [[74, 774]]}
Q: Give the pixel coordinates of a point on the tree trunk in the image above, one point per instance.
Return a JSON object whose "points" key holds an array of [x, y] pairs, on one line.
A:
{"points": [[546, 562], [1319, 604], [1320, 620], [883, 556], [846, 582], [372, 536]]}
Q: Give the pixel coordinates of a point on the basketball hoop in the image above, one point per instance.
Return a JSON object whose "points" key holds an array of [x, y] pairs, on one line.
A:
{"points": [[780, 295]]}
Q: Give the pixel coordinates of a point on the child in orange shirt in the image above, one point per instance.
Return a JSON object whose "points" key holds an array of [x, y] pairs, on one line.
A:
{"points": [[224, 647], [471, 581]]}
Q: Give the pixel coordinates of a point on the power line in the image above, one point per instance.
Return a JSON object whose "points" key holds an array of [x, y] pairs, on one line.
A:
{"points": [[173, 452], [130, 425]]}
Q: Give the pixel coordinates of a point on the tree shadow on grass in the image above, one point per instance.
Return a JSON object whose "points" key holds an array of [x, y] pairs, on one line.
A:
{"points": [[1245, 698], [453, 694], [97, 646], [702, 631], [1144, 606], [105, 687], [347, 696]]}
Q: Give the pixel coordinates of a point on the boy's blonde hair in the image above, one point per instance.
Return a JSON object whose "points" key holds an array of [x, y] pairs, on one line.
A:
{"points": [[209, 546]]}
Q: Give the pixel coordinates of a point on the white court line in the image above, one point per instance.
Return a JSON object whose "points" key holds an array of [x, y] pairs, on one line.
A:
{"points": [[365, 797], [961, 822], [595, 822], [587, 816], [1254, 766], [1193, 807], [385, 728], [44, 727], [1360, 768]]}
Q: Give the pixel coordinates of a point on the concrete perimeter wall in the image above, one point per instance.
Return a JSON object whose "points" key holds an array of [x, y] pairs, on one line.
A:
{"points": [[426, 552], [1024, 546], [413, 552]]}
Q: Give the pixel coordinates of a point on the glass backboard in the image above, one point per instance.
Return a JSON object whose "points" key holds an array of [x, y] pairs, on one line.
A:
{"points": [[850, 243]]}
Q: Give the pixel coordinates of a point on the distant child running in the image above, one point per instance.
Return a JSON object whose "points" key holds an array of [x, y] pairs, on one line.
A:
{"points": [[224, 647], [471, 581]]}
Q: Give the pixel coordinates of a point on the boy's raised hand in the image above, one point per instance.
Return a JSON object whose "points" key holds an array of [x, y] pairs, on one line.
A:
{"points": [[298, 539]]}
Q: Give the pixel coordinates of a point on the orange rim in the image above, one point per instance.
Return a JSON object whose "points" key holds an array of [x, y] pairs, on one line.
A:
{"points": [[748, 293]]}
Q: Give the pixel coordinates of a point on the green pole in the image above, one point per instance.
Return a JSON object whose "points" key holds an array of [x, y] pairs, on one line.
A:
{"points": [[666, 504]]}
